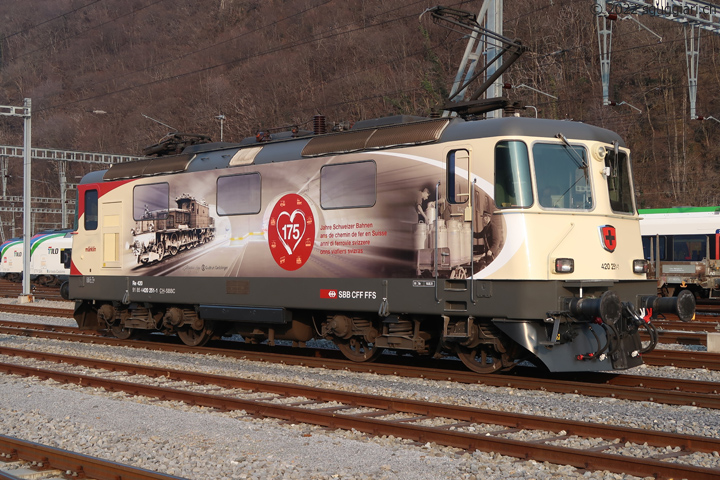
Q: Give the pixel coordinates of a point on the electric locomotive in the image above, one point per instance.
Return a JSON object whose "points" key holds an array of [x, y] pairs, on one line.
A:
{"points": [[496, 241]]}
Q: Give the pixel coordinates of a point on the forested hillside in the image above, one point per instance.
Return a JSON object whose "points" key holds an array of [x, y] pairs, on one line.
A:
{"points": [[95, 69]]}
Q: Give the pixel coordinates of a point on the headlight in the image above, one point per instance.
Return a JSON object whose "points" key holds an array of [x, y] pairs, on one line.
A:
{"points": [[641, 266], [564, 265]]}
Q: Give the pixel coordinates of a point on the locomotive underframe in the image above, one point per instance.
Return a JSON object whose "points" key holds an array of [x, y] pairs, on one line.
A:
{"points": [[701, 277], [44, 279], [469, 318]]}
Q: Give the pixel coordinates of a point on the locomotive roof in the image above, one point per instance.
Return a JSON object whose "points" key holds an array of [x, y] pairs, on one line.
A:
{"points": [[366, 136]]}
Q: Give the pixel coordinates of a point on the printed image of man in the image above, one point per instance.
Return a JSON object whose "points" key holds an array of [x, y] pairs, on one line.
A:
{"points": [[421, 205]]}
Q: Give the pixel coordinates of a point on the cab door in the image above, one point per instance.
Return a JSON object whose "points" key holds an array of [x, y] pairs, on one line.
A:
{"points": [[458, 215], [111, 227]]}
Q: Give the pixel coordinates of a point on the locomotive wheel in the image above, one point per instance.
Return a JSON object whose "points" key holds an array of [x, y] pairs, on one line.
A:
{"points": [[359, 350], [196, 338], [482, 359], [65, 290], [121, 332], [174, 246], [160, 250]]}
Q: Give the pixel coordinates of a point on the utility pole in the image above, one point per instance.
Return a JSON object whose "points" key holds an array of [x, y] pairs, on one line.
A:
{"points": [[694, 15], [26, 296], [499, 52], [24, 112], [484, 41], [221, 117], [62, 171]]}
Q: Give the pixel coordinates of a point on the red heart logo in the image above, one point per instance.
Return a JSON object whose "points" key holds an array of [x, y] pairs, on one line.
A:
{"points": [[290, 229]]}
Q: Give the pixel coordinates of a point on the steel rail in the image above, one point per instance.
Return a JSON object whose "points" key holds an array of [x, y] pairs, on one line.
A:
{"points": [[11, 289], [675, 358], [333, 417], [684, 338], [29, 310], [85, 466], [708, 326]]}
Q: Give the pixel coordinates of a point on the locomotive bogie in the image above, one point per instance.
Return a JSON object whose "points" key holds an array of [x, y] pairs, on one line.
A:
{"points": [[496, 241]]}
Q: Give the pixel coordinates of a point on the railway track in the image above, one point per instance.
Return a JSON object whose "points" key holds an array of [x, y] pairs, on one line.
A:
{"points": [[682, 338], [625, 386], [684, 333], [26, 309], [12, 289], [695, 326], [21, 459], [581, 444], [708, 307]]}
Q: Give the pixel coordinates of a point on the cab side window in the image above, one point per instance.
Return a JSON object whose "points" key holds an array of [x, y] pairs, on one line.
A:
{"points": [[458, 171], [91, 209]]}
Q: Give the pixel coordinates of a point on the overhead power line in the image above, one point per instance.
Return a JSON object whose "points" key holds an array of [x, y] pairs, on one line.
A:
{"points": [[324, 36], [133, 12], [62, 15], [210, 47]]}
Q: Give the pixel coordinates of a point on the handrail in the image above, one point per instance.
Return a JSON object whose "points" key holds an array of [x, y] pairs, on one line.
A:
{"points": [[472, 244], [435, 266]]}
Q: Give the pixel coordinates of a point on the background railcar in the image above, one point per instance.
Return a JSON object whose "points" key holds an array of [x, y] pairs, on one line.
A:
{"points": [[682, 245], [496, 240], [12, 260], [49, 260], [50, 256]]}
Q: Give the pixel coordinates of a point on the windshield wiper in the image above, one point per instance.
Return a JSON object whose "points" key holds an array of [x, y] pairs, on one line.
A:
{"points": [[576, 158]]}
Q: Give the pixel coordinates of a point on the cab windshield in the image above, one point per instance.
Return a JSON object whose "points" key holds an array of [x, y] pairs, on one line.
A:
{"points": [[562, 176]]}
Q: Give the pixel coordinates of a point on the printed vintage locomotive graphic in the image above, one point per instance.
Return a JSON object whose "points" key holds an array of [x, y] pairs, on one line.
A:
{"points": [[163, 231]]}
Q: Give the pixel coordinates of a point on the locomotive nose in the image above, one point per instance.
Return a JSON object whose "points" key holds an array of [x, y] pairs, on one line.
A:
{"points": [[683, 305]]}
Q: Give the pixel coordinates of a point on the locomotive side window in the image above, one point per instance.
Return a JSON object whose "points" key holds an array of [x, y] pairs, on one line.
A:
{"points": [[151, 202], [562, 176], [239, 194], [651, 250], [689, 247], [619, 185], [648, 244], [512, 175], [679, 248], [348, 185], [458, 168], [66, 257], [91, 210]]}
